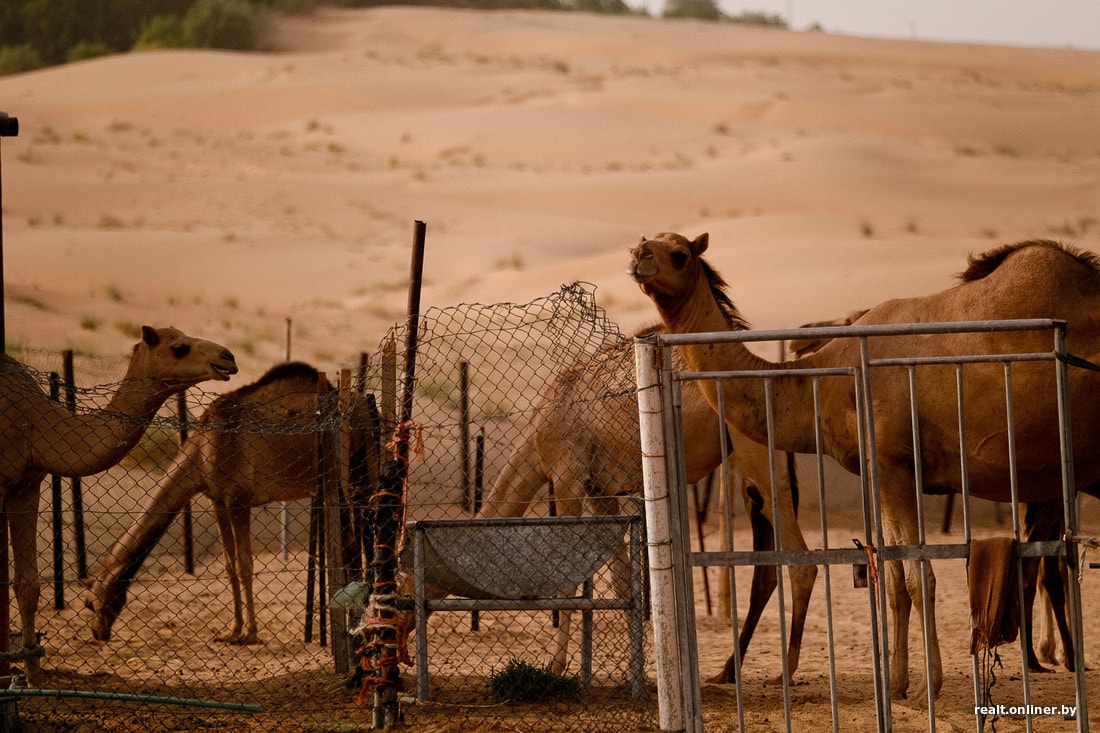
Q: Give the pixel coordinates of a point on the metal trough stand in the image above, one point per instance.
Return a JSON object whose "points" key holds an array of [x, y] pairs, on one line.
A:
{"points": [[524, 563]]}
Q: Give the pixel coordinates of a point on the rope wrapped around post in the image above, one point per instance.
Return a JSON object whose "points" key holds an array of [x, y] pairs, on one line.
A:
{"points": [[385, 638]]}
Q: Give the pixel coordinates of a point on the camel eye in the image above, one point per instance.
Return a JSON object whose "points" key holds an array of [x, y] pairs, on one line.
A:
{"points": [[181, 350], [679, 259]]}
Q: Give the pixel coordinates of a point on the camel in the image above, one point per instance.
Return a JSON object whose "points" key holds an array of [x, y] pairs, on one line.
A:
{"points": [[583, 441], [1034, 279], [252, 446], [39, 436]]}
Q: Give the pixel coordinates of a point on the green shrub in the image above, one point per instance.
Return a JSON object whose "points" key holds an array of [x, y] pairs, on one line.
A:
{"points": [[229, 24], [524, 682], [160, 31], [88, 50], [17, 59]]}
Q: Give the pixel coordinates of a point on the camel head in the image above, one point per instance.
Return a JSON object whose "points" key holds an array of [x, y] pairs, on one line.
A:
{"points": [[667, 265], [173, 357], [106, 601]]}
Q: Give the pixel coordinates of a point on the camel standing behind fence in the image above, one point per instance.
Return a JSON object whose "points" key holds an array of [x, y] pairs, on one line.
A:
{"points": [[39, 436], [255, 445], [583, 440], [1038, 279]]}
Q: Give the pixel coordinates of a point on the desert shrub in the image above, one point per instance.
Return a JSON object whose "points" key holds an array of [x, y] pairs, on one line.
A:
{"points": [[230, 24], [88, 50], [521, 681], [699, 9], [160, 31], [17, 59]]}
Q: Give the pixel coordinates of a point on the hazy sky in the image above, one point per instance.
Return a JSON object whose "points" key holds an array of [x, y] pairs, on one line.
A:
{"points": [[1054, 23]]}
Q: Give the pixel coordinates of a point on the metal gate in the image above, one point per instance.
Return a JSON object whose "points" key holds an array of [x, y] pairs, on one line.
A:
{"points": [[672, 558]]}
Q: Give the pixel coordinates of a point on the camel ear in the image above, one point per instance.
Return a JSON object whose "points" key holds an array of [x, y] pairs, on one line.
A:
{"points": [[149, 336], [699, 245], [642, 241]]}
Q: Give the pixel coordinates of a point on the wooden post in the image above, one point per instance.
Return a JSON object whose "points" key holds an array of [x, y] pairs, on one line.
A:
{"points": [[389, 384], [330, 483], [313, 560], [74, 483]]}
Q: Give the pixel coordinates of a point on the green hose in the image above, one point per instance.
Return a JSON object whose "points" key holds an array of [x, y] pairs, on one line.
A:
{"points": [[125, 697]]}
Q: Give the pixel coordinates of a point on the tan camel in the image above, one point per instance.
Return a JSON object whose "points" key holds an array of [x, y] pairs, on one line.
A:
{"points": [[39, 436], [1039, 279], [583, 441], [252, 446]]}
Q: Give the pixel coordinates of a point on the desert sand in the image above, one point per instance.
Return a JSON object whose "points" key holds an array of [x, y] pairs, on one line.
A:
{"points": [[225, 193]]}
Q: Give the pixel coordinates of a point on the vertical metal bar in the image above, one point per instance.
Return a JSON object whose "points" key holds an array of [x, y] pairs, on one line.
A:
{"points": [[670, 682], [769, 412], [728, 488], [819, 448], [1014, 489], [421, 612], [927, 609], [464, 432], [58, 522], [586, 637], [188, 520], [1069, 506], [964, 482], [681, 551], [9, 127], [871, 493], [75, 483]]}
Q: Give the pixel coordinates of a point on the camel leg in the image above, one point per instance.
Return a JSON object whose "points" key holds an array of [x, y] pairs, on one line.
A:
{"points": [[904, 591], [229, 555], [569, 497], [1046, 649], [764, 582], [21, 513], [900, 604], [803, 578], [1045, 521], [1031, 576], [242, 530], [1053, 577]]}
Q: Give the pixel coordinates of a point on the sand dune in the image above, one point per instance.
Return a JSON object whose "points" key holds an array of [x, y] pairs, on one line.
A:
{"points": [[225, 192]]}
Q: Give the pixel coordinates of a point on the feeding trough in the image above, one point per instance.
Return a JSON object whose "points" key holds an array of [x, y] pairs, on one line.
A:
{"points": [[515, 558], [525, 563]]}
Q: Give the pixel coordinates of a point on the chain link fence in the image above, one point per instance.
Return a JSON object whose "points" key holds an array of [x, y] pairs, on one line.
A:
{"points": [[519, 410]]}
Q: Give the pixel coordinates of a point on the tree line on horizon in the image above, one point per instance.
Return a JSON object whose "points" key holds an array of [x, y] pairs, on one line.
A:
{"points": [[39, 33]]}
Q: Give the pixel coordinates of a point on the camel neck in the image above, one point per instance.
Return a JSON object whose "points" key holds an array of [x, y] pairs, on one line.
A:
{"points": [[743, 399], [88, 442]]}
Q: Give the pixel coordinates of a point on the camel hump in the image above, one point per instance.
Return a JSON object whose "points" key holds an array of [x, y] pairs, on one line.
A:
{"points": [[980, 266], [287, 371]]}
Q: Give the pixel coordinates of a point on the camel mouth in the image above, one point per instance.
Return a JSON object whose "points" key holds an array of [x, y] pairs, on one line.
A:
{"points": [[637, 274], [222, 373]]}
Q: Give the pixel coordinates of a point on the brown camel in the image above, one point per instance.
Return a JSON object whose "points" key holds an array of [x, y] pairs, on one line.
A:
{"points": [[252, 446], [1038, 279], [38, 436], [583, 441]]}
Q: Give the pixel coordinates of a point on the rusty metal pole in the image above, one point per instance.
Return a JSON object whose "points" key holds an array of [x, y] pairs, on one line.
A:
{"points": [[9, 127], [389, 512]]}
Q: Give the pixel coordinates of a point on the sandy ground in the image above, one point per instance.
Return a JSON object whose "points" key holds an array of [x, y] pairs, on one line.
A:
{"points": [[267, 200]]}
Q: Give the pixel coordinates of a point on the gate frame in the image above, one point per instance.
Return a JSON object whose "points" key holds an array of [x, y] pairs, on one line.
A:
{"points": [[670, 554]]}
